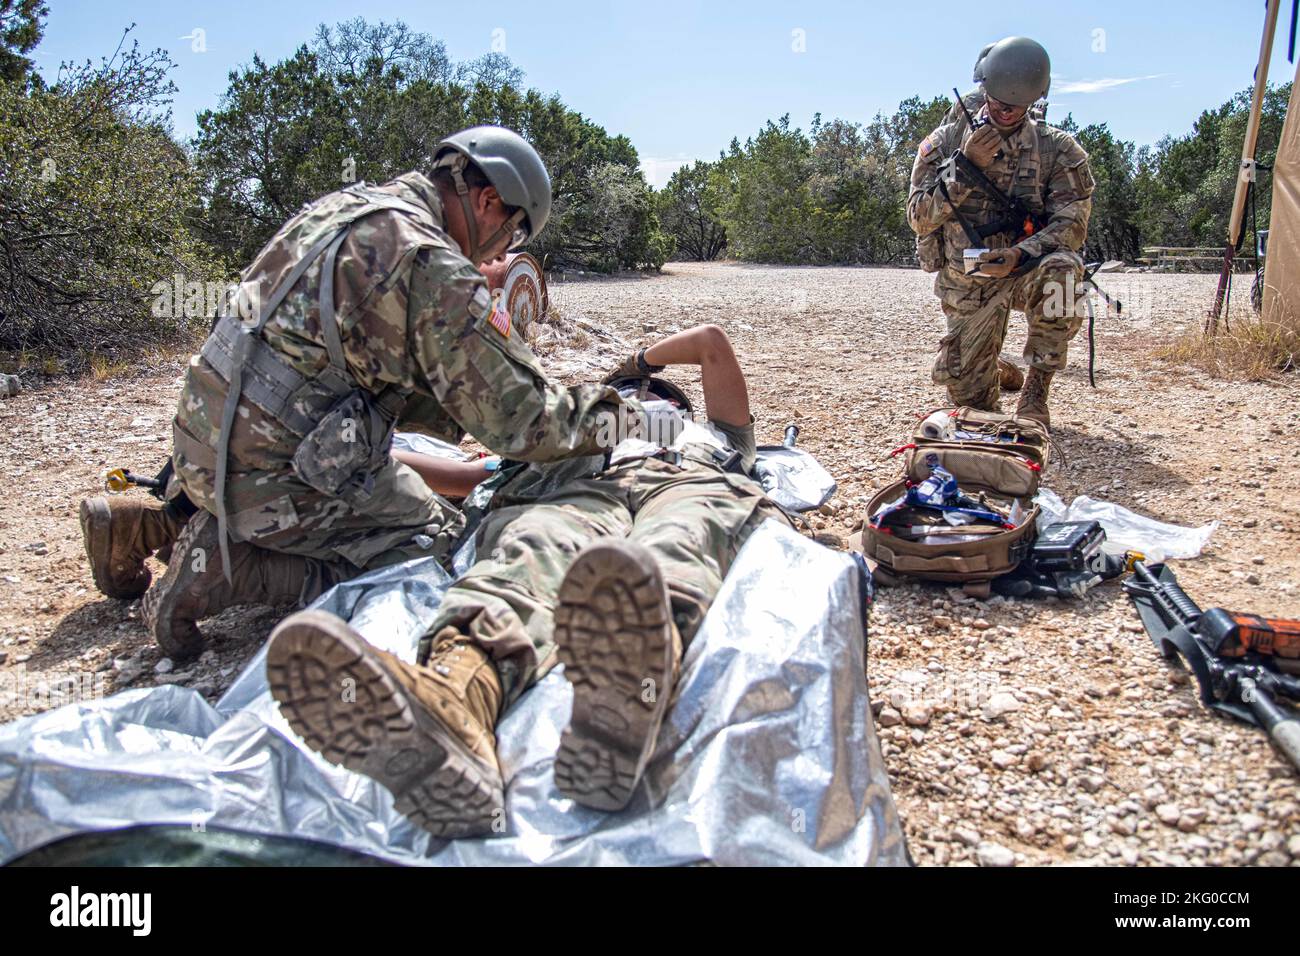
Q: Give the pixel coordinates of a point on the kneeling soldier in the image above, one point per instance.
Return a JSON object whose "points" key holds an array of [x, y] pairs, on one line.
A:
{"points": [[1033, 262]]}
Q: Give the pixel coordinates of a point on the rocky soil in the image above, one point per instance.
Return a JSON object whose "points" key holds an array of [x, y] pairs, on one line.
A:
{"points": [[1015, 732]]}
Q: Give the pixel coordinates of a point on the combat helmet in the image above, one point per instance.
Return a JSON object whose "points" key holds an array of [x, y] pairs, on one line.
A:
{"points": [[978, 75], [513, 167], [1015, 70]]}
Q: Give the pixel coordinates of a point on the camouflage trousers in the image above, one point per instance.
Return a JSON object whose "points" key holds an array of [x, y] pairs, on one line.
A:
{"points": [[693, 518], [977, 311], [398, 520]]}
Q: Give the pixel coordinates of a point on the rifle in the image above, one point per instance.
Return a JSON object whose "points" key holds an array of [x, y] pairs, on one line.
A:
{"points": [[1242, 662], [1016, 215]]}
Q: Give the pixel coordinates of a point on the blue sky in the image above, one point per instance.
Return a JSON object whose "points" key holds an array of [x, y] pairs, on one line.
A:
{"points": [[682, 78]]}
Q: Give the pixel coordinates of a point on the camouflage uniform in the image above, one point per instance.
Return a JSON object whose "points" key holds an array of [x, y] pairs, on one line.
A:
{"points": [[1049, 171], [413, 316], [692, 515]]}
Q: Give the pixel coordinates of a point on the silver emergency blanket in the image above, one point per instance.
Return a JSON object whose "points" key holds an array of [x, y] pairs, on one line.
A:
{"points": [[768, 755], [793, 478]]}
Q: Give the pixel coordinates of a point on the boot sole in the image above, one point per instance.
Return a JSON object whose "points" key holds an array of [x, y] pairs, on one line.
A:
{"points": [[613, 630], [96, 535], [438, 783], [180, 639]]}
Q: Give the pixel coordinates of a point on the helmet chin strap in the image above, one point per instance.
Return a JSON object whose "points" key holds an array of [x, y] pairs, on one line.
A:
{"points": [[462, 190], [507, 228]]}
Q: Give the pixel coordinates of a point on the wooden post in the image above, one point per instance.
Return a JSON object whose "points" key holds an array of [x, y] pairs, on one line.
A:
{"points": [[1246, 171]]}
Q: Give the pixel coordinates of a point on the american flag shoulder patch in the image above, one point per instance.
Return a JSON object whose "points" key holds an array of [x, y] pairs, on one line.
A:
{"points": [[500, 318], [927, 146]]}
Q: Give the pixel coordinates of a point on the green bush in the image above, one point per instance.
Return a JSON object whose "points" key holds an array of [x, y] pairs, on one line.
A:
{"points": [[836, 194], [97, 203]]}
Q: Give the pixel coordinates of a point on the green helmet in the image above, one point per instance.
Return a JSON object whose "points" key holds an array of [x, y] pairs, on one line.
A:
{"points": [[979, 74], [512, 166], [1016, 70]]}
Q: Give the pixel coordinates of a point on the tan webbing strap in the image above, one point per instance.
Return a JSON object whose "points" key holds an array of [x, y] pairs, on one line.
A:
{"points": [[242, 347], [947, 564], [914, 564], [335, 376]]}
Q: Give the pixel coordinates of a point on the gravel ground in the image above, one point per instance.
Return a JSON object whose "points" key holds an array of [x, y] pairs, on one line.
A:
{"points": [[1014, 731]]}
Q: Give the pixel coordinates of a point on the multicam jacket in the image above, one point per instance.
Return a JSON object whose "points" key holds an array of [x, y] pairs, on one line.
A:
{"points": [[419, 330], [1042, 165]]}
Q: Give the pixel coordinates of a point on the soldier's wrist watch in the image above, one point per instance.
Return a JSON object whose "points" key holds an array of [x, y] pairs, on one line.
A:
{"points": [[644, 367]]}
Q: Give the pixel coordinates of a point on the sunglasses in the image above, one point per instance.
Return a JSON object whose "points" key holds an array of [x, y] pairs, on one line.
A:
{"points": [[519, 233], [995, 104]]}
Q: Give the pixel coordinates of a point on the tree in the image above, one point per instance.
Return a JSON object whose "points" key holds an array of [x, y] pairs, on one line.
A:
{"points": [[372, 102], [688, 210], [357, 49], [834, 195], [20, 30], [1185, 184], [767, 203], [1114, 227]]}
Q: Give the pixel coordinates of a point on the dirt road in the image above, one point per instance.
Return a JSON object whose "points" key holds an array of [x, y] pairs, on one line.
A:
{"points": [[1094, 751]]}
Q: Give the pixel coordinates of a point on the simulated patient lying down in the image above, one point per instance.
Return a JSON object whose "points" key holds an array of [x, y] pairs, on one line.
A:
{"points": [[606, 565]]}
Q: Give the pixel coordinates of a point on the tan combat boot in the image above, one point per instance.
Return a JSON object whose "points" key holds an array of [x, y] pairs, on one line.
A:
{"points": [[1009, 376], [195, 586], [621, 652], [1033, 400], [424, 732], [119, 534]]}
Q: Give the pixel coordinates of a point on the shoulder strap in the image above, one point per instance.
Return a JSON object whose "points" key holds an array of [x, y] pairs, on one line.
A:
{"points": [[243, 345], [335, 376]]}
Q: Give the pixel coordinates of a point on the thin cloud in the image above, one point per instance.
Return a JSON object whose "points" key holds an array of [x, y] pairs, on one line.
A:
{"points": [[659, 169], [1101, 85]]}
